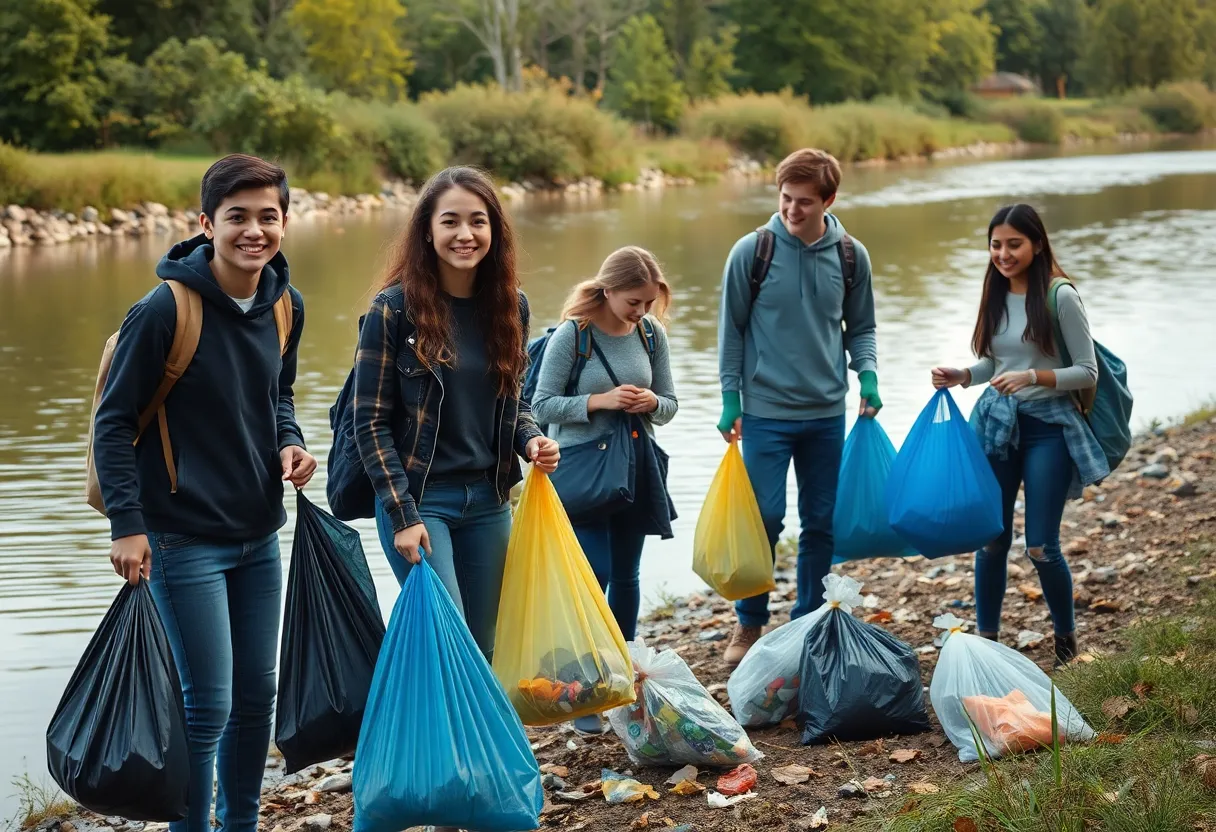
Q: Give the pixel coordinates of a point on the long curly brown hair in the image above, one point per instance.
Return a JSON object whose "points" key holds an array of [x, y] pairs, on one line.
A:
{"points": [[415, 265]]}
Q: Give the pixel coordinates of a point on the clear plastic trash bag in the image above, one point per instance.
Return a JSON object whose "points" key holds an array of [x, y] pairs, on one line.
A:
{"points": [[1007, 696], [674, 720], [763, 690]]}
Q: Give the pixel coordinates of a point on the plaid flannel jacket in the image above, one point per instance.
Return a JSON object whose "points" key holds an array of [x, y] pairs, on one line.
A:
{"points": [[396, 411], [995, 421]]}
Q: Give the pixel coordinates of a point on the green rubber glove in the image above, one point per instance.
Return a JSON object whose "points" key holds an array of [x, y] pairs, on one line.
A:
{"points": [[869, 389], [732, 409]]}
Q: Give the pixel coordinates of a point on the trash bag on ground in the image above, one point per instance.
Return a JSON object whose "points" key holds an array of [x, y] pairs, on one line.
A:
{"points": [[440, 743], [859, 682], [674, 719], [332, 630], [730, 549], [763, 690], [860, 525], [559, 653], [117, 742], [942, 497], [1007, 696]]}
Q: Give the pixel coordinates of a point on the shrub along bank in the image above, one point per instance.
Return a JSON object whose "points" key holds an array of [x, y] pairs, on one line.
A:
{"points": [[337, 144]]}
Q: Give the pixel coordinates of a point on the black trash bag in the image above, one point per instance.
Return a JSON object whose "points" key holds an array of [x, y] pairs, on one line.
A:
{"points": [[117, 742], [332, 630], [859, 682]]}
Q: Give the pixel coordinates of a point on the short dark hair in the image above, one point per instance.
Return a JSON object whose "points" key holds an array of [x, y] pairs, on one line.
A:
{"points": [[240, 172]]}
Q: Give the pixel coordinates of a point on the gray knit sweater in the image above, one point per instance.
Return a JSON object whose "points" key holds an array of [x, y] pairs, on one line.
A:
{"points": [[569, 422]]}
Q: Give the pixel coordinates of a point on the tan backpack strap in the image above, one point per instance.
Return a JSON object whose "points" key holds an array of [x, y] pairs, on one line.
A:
{"points": [[283, 314], [186, 333], [185, 342]]}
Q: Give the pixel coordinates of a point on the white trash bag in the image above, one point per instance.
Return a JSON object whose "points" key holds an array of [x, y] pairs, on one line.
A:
{"points": [[763, 690], [674, 719], [1007, 696]]}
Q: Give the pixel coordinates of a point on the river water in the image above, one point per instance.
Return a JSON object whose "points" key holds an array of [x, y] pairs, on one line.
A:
{"points": [[1134, 228]]}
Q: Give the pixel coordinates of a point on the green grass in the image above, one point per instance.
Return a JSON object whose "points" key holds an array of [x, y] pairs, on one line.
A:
{"points": [[1138, 777], [38, 802], [665, 605], [1200, 415], [109, 179], [703, 160]]}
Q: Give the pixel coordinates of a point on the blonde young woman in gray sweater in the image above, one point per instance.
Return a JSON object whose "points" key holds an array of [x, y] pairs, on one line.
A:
{"points": [[624, 377]]}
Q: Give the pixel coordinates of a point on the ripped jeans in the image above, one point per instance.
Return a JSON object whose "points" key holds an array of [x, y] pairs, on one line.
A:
{"points": [[1043, 465]]}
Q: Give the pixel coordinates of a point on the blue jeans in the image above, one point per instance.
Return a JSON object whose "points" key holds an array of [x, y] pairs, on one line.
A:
{"points": [[1042, 463], [220, 603], [614, 551], [469, 531], [815, 446]]}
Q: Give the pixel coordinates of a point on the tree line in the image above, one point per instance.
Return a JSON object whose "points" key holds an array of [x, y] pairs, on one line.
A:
{"points": [[94, 73]]}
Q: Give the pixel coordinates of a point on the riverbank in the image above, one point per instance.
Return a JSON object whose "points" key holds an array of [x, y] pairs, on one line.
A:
{"points": [[1143, 552], [22, 226]]}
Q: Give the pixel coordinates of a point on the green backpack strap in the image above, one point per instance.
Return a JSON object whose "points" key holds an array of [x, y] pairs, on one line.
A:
{"points": [[1083, 399], [1053, 306]]}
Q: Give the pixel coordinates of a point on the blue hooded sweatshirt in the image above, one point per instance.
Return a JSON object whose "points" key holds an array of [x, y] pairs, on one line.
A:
{"points": [[229, 414], [785, 353]]}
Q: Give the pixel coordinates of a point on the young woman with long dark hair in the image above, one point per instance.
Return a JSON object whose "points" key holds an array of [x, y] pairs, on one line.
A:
{"points": [[438, 419], [1030, 428]]}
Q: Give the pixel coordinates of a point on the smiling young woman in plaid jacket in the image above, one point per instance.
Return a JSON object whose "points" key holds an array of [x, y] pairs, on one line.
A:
{"points": [[438, 419]]}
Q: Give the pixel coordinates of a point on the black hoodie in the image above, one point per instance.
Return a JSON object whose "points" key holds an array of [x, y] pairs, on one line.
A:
{"points": [[229, 414]]}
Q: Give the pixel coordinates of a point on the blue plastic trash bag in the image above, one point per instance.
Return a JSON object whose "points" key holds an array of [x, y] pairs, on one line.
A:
{"points": [[942, 497], [860, 524], [440, 744]]}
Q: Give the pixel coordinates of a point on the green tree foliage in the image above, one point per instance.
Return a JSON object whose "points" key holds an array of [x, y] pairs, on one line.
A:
{"points": [[642, 83], [1019, 36], [286, 120], [685, 23], [145, 24], [445, 52], [1144, 42], [170, 89], [355, 45], [711, 66], [1063, 24], [832, 50], [964, 41], [57, 72]]}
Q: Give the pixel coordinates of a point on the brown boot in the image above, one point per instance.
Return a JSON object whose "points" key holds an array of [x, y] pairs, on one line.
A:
{"points": [[741, 640]]}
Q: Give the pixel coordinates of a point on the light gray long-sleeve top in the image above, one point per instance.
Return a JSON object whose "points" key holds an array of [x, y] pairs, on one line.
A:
{"points": [[569, 422], [1011, 354]]}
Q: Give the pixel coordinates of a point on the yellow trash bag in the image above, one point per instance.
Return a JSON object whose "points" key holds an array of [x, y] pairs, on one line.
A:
{"points": [[730, 549], [559, 653]]}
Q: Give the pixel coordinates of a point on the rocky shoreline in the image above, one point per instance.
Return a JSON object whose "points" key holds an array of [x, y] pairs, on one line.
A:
{"points": [[25, 227], [1140, 545]]}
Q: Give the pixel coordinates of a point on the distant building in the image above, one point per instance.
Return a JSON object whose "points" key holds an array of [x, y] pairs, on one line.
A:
{"points": [[1005, 85]]}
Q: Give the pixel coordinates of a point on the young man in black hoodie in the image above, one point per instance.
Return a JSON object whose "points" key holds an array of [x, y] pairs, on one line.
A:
{"points": [[204, 529]]}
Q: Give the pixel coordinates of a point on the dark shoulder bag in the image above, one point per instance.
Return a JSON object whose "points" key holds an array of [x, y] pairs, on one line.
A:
{"points": [[596, 478]]}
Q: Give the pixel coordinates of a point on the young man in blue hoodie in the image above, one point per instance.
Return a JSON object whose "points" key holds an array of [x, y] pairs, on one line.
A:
{"points": [[204, 529], [782, 338]]}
